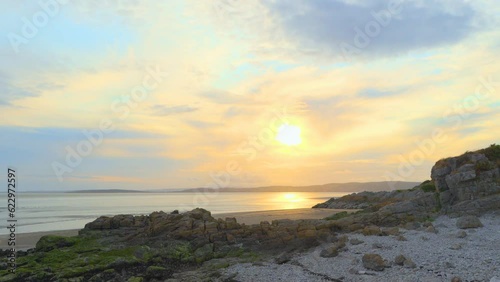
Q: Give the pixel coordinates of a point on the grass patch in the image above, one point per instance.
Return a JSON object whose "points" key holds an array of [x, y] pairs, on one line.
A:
{"points": [[338, 215], [428, 187], [492, 152], [484, 166]]}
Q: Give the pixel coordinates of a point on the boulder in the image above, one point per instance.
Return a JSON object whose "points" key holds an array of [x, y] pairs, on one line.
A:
{"points": [[356, 241], [372, 230], [374, 262], [469, 221], [408, 263], [333, 250], [399, 260]]}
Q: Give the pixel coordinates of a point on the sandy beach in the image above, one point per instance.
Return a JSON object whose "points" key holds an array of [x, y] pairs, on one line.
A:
{"points": [[256, 217], [26, 241]]}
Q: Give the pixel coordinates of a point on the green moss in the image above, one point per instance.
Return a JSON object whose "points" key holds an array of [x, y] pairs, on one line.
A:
{"points": [[58, 257], [135, 279], [155, 271], [428, 219], [338, 215], [484, 166], [85, 255], [492, 152], [428, 187], [218, 266], [51, 242], [180, 250], [250, 257], [8, 277], [74, 271]]}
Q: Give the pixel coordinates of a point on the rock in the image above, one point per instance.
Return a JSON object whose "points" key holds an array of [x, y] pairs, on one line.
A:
{"points": [[372, 230], [412, 225], [456, 247], [343, 239], [427, 224], [456, 279], [156, 272], [135, 279], [204, 253], [401, 238], [356, 241], [50, 242], [461, 234], [374, 262], [403, 261], [329, 253], [448, 264], [408, 263], [283, 258], [424, 238], [431, 229], [469, 221], [399, 260], [333, 250], [377, 246], [394, 231], [231, 223]]}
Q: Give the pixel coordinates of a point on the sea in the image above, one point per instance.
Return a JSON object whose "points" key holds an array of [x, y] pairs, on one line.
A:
{"points": [[36, 212]]}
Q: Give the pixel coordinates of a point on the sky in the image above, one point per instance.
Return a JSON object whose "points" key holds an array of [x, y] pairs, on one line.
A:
{"points": [[178, 94]]}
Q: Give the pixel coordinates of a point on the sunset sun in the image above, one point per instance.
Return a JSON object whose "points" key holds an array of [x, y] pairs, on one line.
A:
{"points": [[289, 135]]}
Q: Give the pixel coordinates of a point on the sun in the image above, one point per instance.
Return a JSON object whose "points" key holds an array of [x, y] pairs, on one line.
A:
{"points": [[289, 135]]}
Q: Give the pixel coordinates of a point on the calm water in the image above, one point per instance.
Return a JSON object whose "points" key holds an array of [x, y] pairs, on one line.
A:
{"points": [[59, 211]]}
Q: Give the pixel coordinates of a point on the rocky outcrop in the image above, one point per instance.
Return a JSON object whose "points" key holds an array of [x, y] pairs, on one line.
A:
{"points": [[156, 246], [469, 183], [364, 200], [200, 228]]}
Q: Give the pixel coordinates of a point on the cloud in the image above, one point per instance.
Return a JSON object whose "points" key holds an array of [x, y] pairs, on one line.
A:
{"points": [[9, 91], [374, 93], [326, 25], [162, 110], [223, 97]]}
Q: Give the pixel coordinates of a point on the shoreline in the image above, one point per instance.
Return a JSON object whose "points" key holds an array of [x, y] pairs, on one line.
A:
{"points": [[28, 240]]}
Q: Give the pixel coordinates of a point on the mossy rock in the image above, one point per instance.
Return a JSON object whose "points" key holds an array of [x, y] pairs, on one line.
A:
{"points": [[51, 242], [135, 279], [156, 271], [204, 253], [428, 187], [8, 277], [338, 216], [178, 250]]}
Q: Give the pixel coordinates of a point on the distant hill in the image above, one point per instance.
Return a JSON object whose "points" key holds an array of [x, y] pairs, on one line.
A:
{"points": [[330, 187], [107, 191]]}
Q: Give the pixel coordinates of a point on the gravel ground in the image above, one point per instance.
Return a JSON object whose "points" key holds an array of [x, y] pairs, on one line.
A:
{"points": [[477, 259]]}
